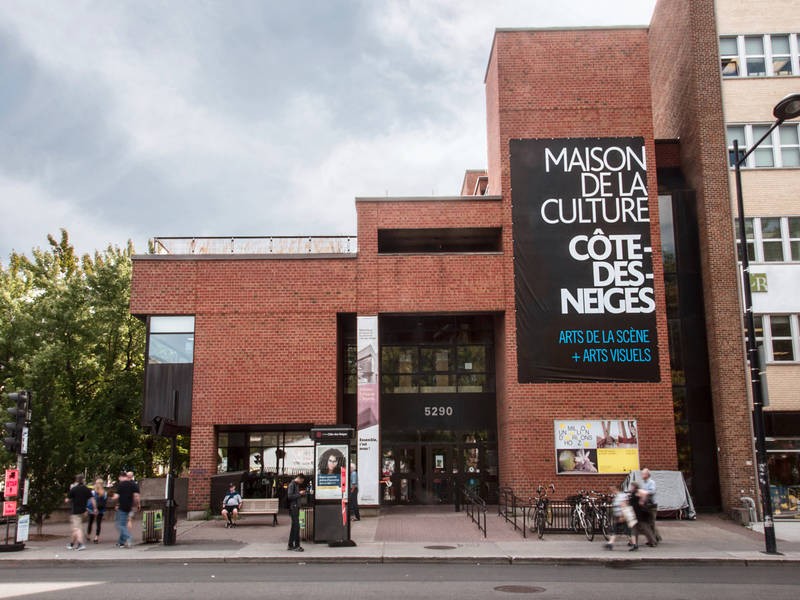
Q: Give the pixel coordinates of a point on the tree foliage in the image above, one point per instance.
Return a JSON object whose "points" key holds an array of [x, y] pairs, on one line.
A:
{"points": [[66, 334]]}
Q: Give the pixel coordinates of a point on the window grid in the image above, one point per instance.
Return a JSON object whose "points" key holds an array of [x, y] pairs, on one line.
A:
{"points": [[769, 55], [781, 149], [771, 239], [780, 335]]}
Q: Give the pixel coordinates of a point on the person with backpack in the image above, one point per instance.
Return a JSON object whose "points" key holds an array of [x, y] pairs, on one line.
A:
{"points": [[230, 506], [96, 507]]}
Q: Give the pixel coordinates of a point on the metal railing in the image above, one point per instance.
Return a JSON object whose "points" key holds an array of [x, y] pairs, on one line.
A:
{"points": [[347, 245], [513, 510], [475, 508]]}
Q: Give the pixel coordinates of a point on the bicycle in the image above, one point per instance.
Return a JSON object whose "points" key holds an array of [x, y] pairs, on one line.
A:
{"points": [[581, 516], [542, 511], [601, 506]]}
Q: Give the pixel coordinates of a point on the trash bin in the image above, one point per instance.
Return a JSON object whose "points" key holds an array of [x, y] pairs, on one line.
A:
{"points": [[152, 526], [307, 523]]}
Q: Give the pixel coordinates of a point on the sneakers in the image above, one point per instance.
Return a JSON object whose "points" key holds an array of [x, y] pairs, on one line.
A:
{"points": [[81, 547], [227, 525], [69, 547], [633, 548], [299, 549], [608, 546]]}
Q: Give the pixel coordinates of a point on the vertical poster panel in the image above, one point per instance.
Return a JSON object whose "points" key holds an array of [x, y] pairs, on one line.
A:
{"points": [[583, 267], [596, 447], [368, 411], [331, 463]]}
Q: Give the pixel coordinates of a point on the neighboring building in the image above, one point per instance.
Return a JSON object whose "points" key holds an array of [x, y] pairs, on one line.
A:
{"points": [[758, 45], [573, 314]]}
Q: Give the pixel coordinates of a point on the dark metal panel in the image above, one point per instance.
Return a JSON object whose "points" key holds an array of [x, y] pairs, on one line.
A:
{"points": [[161, 383]]}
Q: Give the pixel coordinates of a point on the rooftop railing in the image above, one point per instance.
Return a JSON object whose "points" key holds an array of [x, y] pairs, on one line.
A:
{"points": [[256, 245]]}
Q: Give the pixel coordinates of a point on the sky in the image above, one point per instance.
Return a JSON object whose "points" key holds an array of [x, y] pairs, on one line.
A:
{"points": [[124, 120]]}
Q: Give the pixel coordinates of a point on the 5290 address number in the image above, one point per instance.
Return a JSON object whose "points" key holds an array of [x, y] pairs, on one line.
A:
{"points": [[438, 411]]}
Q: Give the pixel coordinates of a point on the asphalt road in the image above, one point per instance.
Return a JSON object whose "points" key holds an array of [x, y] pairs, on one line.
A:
{"points": [[401, 581]]}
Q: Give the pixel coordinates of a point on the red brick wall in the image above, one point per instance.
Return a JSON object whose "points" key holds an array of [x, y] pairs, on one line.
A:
{"points": [[687, 101], [265, 341], [579, 83]]}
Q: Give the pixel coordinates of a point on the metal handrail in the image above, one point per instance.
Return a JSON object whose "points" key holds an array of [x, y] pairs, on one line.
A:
{"points": [[275, 244], [474, 503], [510, 507]]}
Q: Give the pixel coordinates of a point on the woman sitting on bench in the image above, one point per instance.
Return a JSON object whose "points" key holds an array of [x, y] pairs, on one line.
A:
{"points": [[230, 506]]}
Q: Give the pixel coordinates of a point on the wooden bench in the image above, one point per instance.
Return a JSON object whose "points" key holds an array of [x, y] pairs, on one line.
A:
{"points": [[261, 506]]}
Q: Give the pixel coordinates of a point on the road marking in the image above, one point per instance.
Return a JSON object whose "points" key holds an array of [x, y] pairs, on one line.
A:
{"points": [[11, 590]]}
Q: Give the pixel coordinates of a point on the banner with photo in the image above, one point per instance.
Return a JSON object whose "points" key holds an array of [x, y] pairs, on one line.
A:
{"points": [[583, 261], [368, 410], [331, 470], [596, 447]]}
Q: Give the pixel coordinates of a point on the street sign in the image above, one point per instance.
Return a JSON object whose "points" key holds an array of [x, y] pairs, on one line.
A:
{"points": [[12, 483], [23, 523], [23, 448], [10, 508]]}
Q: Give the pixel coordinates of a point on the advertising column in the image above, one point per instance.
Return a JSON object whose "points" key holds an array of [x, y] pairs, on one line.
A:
{"points": [[368, 411]]}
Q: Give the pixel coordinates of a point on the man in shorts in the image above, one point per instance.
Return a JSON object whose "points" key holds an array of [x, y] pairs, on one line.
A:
{"points": [[77, 497], [230, 506]]}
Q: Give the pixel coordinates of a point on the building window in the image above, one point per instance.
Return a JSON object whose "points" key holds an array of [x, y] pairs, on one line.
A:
{"points": [[780, 149], [729, 56], [771, 239], [437, 355], [793, 225], [771, 55], [170, 340], [780, 336]]}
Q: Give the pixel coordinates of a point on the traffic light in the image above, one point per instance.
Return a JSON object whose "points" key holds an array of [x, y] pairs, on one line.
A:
{"points": [[14, 429]]}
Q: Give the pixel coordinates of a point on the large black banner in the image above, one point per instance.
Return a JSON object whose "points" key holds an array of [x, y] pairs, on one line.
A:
{"points": [[583, 266]]}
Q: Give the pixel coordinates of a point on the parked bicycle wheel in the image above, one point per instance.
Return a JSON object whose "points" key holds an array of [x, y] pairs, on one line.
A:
{"points": [[587, 523], [604, 523], [540, 524]]}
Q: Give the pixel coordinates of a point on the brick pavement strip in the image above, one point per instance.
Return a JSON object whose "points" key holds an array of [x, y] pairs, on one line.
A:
{"points": [[420, 535]]}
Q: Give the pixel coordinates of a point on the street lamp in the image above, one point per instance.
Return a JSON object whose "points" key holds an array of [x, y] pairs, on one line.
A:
{"points": [[788, 108]]}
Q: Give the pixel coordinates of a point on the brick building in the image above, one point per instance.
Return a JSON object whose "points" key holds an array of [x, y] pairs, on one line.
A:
{"points": [[571, 315]]}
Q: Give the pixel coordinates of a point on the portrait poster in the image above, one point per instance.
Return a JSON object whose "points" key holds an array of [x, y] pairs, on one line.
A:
{"points": [[596, 447], [331, 465], [583, 261], [368, 411]]}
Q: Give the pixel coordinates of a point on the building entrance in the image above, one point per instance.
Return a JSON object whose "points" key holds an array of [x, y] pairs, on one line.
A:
{"points": [[430, 472]]}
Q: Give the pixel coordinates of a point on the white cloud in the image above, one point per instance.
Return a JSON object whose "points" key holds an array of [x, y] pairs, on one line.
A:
{"points": [[188, 118]]}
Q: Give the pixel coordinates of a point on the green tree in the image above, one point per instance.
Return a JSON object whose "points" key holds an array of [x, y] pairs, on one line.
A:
{"points": [[67, 335]]}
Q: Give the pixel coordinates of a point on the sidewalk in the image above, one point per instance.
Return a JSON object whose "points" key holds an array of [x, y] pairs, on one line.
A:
{"points": [[413, 534]]}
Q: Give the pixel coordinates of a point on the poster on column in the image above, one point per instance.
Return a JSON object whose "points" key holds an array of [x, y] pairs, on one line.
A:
{"points": [[368, 410], [596, 447], [583, 265], [331, 464]]}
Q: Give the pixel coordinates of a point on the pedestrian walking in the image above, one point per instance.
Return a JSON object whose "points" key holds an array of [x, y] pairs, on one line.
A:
{"points": [[622, 513], [353, 498], [77, 497], [637, 500], [649, 485], [96, 508], [294, 495], [128, 502]]}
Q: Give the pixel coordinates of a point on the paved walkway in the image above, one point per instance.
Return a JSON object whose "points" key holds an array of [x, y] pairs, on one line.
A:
{"points": [[410, 534]]}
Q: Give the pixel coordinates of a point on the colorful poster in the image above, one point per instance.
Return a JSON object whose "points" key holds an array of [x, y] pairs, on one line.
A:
{"points": [[368, 411], [331, 464], [596, 447], [583, 261]]}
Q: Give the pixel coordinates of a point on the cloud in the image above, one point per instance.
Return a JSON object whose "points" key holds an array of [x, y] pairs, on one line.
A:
{"points": [[139, 118]]}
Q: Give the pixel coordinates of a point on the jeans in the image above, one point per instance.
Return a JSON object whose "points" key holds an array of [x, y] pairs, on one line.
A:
{"points": [[294, 531], [122, 525]]}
